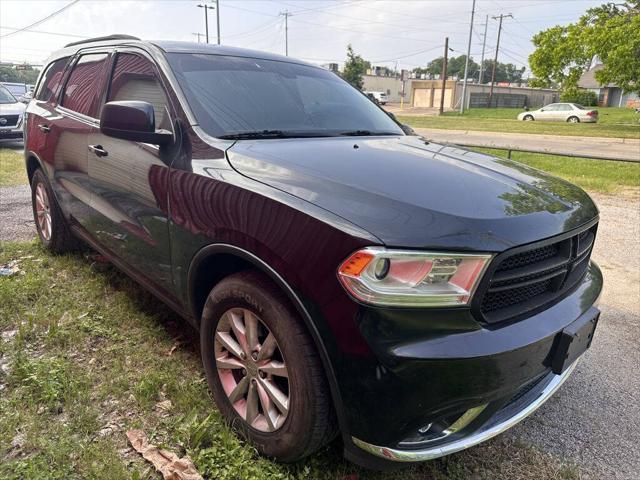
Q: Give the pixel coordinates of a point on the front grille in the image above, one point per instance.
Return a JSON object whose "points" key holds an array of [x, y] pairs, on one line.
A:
{"points": [[524, 280], [9, 120]]}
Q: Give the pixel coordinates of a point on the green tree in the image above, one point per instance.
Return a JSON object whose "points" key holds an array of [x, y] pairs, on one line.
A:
{"points": [[455, 68], [10, 74], [354, 68], [610, 33], [505, 72]]}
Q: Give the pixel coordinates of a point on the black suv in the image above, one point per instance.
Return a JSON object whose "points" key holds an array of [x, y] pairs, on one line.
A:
{"points": [[345, 277]]}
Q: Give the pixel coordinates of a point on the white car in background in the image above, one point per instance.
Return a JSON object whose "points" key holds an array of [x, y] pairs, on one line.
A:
{"points": [[11, 115], [561, 112], [381, 97]]}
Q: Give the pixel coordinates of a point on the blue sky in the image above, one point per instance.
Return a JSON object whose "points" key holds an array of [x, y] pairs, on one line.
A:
{"points": [[409, 32]]}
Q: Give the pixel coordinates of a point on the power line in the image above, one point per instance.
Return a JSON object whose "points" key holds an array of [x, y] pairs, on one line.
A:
{"points": [[42, 20], [406, 56], [44, 32], [345, 28]]}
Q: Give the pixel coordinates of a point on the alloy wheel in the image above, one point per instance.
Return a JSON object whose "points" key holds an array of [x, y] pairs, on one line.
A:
{"points": [[252, 369], [43, 211]]}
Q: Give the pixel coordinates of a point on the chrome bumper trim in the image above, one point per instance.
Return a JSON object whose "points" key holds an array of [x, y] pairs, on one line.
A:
{"points": [[397, 455]]}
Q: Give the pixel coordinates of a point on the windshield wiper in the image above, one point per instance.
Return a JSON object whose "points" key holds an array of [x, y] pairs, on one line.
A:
{"points": [[256, 134], [364, 133]]}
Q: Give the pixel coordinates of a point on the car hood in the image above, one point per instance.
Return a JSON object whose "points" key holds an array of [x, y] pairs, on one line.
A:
{"points": [[12, 108], [411, 193]]}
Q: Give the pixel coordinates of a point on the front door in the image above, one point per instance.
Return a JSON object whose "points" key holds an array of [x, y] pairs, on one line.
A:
{"points": [[129, 179]]}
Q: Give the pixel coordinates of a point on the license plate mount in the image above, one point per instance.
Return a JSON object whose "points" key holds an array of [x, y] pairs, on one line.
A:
{"points": [[574, 340]]}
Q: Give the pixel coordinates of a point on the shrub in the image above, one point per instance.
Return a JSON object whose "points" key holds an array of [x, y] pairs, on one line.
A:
{"points": [[587, 98]]}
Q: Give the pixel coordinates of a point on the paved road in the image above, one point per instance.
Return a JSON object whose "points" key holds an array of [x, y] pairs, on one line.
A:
{"points": [[622, 148], [594, 419]]}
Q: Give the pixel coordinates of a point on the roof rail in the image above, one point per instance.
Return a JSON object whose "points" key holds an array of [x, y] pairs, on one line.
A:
{"points": [[117, 36]]}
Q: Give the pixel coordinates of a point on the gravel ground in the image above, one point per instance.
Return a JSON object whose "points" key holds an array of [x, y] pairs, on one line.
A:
{"points": [[594, 419], [15, 213]]}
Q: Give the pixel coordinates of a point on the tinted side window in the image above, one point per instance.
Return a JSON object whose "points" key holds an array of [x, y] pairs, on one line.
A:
{"points": [[51, 80], [135, 78], [83, 92]]}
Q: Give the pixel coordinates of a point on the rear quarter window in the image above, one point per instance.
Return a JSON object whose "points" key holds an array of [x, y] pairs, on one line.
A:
{"points": [[84, 89], [51, 80]]}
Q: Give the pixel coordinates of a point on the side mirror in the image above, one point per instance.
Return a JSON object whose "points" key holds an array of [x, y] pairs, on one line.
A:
{"points": [[132, 120], [407, 129]]}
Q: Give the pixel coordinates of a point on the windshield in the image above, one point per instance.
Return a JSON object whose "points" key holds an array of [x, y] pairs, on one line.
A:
{"points": [[16, 89], [5, 96], [236, 97]]}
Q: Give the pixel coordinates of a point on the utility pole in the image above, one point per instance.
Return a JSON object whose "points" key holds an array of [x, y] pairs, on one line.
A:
{"points": [[484, 44], [286, 16], [206, 18], [444, 73], [495, 60], [218, 19], [198, 35], [466, 63]]}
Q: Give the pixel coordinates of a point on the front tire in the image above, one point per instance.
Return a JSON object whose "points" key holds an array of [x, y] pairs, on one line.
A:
{"points": [[573, 120], [51, 225], [263, 369], [528, 118]]}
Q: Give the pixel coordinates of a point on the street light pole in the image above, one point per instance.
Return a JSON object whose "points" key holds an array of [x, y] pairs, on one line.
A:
{"points": [[466, 63], [484, 44], [218, 19], [206, 19], [444, 74]]}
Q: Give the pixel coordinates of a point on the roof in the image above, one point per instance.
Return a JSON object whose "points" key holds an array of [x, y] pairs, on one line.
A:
{"points": [[588, 78], [213, 49], [173, 47]]}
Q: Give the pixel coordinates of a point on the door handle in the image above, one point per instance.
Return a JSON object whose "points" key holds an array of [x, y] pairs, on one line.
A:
{"points": [[44, 128], [98, 150]]}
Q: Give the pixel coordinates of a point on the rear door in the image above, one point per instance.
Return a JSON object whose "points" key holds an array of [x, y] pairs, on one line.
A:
{"points": [[60, 126], [129, 179]]}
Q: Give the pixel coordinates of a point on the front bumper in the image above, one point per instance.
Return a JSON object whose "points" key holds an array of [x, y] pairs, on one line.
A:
{"points": [[14, 131], [504, 419], [449, 367]]}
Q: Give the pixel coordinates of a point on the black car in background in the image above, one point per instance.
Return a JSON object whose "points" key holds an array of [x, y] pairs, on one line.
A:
{"points": [[346, 278]]}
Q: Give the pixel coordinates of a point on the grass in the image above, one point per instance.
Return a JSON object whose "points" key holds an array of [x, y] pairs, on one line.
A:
{"points": [[602, 176], [12, 169], [612, 122], [85, 355]]}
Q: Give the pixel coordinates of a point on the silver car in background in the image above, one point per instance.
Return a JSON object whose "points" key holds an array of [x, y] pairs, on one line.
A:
{"points": [[11, 115], [561, 112]]}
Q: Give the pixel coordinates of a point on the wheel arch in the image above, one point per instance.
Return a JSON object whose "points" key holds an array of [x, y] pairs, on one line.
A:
{"points": [[32, 163], [229, 259]]}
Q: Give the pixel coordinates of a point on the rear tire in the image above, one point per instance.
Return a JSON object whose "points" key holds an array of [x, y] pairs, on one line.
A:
{"points": [[51, 225], [573, 120], [248, 302]]}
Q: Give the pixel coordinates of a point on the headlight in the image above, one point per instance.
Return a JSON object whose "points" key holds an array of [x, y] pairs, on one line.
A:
{"points": [[406, 278]]}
